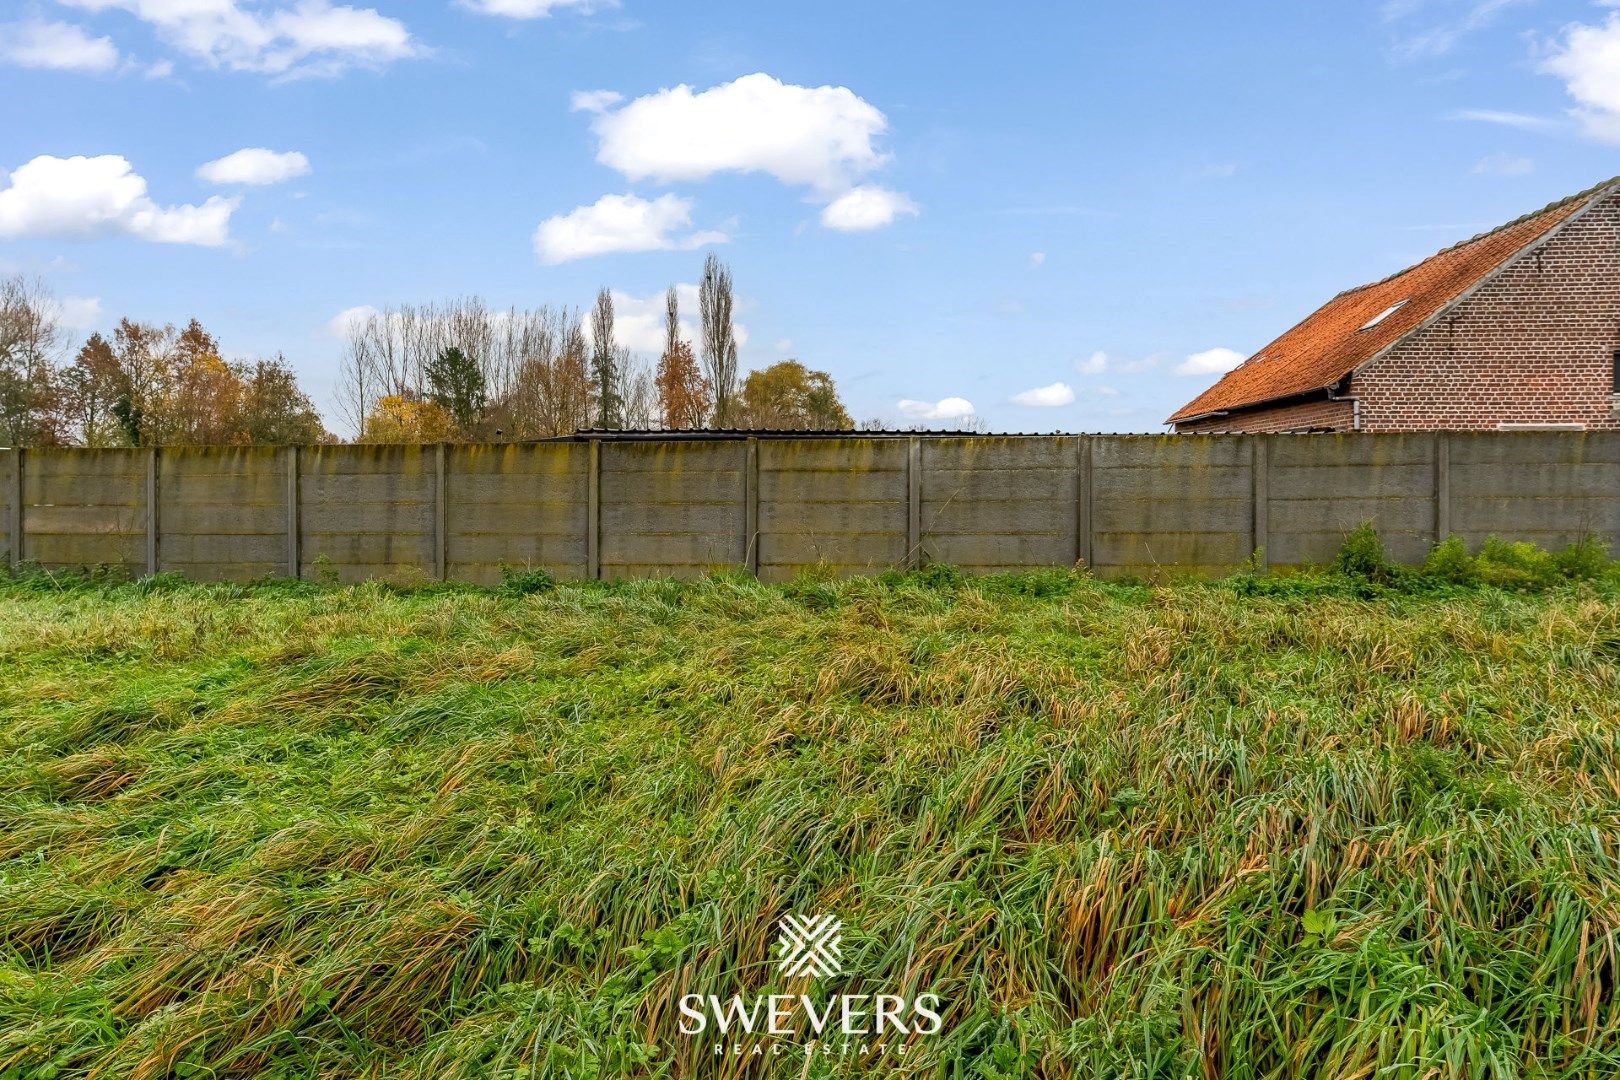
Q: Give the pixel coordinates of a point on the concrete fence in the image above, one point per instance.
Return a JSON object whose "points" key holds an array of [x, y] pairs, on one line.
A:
{"points": [[585, 509]]}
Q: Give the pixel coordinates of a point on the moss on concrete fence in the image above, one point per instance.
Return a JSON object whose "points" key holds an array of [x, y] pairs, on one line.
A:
{"points": [[1121, 505]]}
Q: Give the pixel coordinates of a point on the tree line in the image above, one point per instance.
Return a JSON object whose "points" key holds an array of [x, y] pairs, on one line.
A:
{"points": [[459, 370], [442, 372], [145, 385]]}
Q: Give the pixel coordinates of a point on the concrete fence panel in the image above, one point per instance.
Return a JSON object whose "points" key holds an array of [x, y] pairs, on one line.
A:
{"points": [[991, 504], [368, 512], [1320, 488], [675, 508], [1550, 488], [222, 512], [1176, 503], [522, 507], [835, 506], [85, 508], [10, 507], [1143, 505]]}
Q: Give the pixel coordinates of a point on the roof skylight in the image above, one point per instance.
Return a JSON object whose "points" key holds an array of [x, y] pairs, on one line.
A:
{"points": [[1382, 315]]}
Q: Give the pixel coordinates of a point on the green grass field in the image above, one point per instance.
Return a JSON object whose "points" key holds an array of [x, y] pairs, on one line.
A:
{"points": [[1320, 827]]}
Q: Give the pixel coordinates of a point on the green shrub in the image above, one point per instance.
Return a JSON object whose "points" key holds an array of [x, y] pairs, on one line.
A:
{"points": [[524, 580], [1363, 555], [1587, 559], [1515, 565], [1037, 583], [938, 576], [1449, 561], [326, 571], [164, 581]]}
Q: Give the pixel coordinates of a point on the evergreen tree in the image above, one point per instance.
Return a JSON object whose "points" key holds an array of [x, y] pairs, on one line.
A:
{"points": [[456, 384]]}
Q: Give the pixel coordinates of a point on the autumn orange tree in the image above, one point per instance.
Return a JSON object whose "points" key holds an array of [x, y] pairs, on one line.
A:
{"points": [[176, 389], [683, 393], [150, 385]]}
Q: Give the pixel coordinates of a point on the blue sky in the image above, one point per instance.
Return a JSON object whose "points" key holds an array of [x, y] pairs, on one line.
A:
{"points": [[993, 204]]}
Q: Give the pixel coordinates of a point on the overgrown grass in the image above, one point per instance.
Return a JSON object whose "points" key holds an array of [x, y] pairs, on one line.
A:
{"points": [[1342, 825]]}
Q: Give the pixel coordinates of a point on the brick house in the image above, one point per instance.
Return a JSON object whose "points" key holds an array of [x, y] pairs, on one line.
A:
{"points": [[1516, 328]]}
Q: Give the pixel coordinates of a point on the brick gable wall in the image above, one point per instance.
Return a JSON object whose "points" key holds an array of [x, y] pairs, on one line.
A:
{"points": [[1534, 345], [1297, 417]]}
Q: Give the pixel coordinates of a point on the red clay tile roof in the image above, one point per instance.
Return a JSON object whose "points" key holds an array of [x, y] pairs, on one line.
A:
{"points": [[1330, 344]]}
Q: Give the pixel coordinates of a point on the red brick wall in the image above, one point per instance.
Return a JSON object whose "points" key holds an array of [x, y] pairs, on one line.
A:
{"points": [[1296, 417], [1533, 345]]}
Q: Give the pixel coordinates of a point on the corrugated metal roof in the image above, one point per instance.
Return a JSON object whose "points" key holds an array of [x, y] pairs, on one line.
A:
{"points": [[719, 434], [615, 435]]}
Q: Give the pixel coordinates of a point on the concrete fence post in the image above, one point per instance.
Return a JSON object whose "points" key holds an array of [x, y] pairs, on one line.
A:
{"points": [[914, 558], [15, 526], [441, 513], [1082, 503], [1442, 486], [1259, 470], [152, 524], [295, 562], [751, 507], [593, 513]]}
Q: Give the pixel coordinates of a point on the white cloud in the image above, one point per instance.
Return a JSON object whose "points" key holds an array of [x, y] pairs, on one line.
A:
{"points": [[822, 138], [1222, 170], [1046, 397], [1099, 362], [593, 101], [1520, 121], [638, 321], [87, 196], [1442, 37], [1095, 364], [819, 137], [1504, 165], [865, 208], [535, 9], [346, 320], [79, 312], [162, 69], [312, 37], [256, 166], [1588, 60], [620, 223], [1037, 258], [1210, 362], [55, 45], [951, 408]]}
